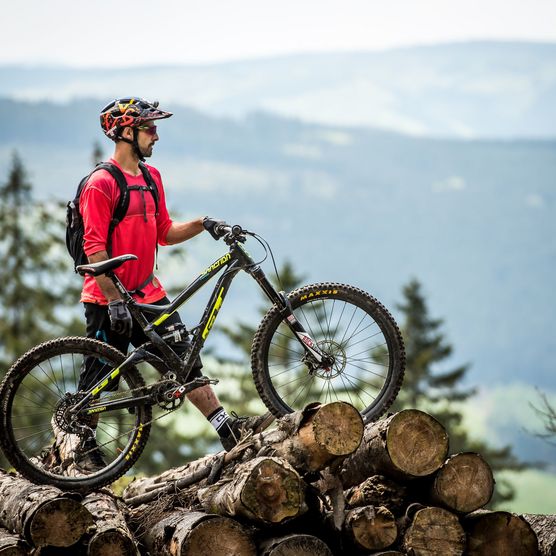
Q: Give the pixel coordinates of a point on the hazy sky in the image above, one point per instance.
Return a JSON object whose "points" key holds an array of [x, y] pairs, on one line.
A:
{"points": [[104, 32]]}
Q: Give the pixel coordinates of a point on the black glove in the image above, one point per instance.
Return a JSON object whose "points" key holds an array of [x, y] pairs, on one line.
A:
{"points": [[120, 318], [210, 225]]}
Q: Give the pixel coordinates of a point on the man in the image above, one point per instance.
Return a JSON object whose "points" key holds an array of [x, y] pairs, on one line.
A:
{"points": [[130, 123]]}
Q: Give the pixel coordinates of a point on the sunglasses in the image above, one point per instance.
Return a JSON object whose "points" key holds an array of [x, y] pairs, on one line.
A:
{"points": [[148, 129]]}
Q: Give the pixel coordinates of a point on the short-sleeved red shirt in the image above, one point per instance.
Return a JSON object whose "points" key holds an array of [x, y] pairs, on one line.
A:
{"points": [[138, 233]]}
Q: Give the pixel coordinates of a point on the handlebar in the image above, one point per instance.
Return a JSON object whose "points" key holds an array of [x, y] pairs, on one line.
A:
{"points": [[235, 231]]}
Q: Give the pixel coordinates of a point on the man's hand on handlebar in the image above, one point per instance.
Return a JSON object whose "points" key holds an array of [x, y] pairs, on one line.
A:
{"points": [[216, 228]]}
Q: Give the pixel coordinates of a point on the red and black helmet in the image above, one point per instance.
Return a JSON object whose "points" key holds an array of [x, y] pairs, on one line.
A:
{"points": [[128, 112]]}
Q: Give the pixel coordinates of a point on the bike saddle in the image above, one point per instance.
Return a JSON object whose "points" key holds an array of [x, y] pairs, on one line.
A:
{"points": [[102, 267]]}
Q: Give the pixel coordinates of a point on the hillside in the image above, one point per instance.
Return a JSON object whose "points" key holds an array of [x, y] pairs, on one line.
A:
{"points": [[467, 90], [473, 220]]}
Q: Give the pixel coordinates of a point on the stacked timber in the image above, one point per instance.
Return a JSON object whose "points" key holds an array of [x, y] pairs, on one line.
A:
{"points": [[319, 483]]}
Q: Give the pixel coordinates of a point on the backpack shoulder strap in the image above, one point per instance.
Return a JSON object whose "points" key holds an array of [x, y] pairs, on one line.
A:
{"points": [[151, 184], [123, 203]]}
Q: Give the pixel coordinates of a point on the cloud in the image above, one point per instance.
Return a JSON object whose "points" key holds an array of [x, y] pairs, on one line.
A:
{"points": [[534, 200], [452, 183]]}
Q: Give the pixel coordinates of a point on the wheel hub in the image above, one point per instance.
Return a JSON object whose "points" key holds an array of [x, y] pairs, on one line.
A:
{"points": [[336, 360], [64, 417]]}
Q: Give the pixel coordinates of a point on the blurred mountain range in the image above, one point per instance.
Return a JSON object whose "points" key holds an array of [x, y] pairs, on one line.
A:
{"points": [[468, 90], [472, 219]]}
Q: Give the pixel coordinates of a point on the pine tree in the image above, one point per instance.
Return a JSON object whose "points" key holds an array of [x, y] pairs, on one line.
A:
{"points": [[241, 395], [429, 387], [33, 263]]}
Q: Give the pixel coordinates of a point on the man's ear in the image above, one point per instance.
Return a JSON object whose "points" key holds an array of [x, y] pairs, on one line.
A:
{"points": [[127, 133]]}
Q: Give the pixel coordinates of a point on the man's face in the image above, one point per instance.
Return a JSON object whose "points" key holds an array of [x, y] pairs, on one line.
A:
{"points": [[146, 138]]}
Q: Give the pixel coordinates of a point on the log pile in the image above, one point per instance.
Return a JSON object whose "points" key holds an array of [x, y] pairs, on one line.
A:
{"points": [[319, 483]]}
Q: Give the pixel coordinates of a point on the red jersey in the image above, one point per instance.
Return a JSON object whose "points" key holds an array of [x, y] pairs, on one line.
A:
{"points": [[138, 233]]}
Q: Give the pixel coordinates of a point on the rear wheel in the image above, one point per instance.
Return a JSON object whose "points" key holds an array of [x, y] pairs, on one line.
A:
{"points": [[353, 329], [49, 444]]}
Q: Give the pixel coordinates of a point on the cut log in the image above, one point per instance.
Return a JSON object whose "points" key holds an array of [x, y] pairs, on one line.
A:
{"points": [[463, 484], [264, 490], [184, 533], [12, 544], [377, 491], [545, 529], [406, 445], [499, 533], [42, 514], [294, 545], [311, 439], [112, 536], [433, 531], [370, 528]]}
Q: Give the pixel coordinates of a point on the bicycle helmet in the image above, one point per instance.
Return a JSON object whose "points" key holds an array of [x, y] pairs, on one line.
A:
{"points": [[128, 112]]}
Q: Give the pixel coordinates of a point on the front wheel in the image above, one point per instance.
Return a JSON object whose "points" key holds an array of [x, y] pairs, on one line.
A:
{"points": [[352, 329], [40, 433]]}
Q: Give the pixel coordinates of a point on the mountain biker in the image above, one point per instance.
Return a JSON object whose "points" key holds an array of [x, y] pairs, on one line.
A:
{"points": [[130, 123]]}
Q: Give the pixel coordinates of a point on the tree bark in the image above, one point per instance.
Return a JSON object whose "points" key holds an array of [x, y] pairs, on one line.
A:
{"points": [[12, 544], [370, 528], [433, 531], [112, 536], [406, 445], [294, 545], [42, 514], [184, 533], [499, 533], [463, 484], [545, 529], [377, 490], [264, 490]]}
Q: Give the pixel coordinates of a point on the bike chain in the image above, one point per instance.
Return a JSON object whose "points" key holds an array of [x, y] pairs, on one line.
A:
{"points": [[133, 390]]}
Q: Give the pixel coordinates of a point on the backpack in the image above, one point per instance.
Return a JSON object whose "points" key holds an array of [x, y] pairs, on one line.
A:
{"points": [[74, 220]]}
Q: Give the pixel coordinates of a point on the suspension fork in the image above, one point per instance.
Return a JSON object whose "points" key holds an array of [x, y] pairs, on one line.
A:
{"points": [[317, 358]]}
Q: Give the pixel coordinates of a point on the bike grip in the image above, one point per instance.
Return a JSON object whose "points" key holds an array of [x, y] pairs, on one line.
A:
{"points": [[221, 229]]}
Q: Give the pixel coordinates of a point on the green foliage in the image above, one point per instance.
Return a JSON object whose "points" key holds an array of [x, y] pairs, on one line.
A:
{"points": [[33, 268], [430, 387], [241, 395]]}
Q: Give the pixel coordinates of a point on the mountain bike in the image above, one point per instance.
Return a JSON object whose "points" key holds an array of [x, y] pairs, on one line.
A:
{"points": [[319, 343]]}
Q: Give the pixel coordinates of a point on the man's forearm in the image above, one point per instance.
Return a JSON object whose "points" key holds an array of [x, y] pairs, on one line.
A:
{"points": [[182, 231], [105, 284]]}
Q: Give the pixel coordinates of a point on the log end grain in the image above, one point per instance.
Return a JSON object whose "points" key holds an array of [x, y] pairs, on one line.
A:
{"points": [[218, 536], [371, 528], [500, 533], [273, 492], [59, 522], [416, 442], [329, 431], [435, 531], [464, 483], [112, 543], [294, 545], [339, 427]]}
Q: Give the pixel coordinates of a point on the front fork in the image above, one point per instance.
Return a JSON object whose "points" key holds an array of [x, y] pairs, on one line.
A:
{"points": [[314, 358]]}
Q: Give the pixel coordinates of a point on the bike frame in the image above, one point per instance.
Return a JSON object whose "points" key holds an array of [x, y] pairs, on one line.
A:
{"points": [[235, 260]]}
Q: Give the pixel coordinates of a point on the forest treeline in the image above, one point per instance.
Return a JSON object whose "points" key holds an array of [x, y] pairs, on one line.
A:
{"points": [[39, 301]]}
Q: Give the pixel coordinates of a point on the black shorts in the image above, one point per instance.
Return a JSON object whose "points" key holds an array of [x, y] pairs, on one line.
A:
{"points": [[98, 327]]}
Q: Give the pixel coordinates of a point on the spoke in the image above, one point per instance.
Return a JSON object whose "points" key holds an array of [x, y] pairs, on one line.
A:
{"points": [[288, 370], [368, 371], [346, 346], [348, 326], [36, 433]]}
